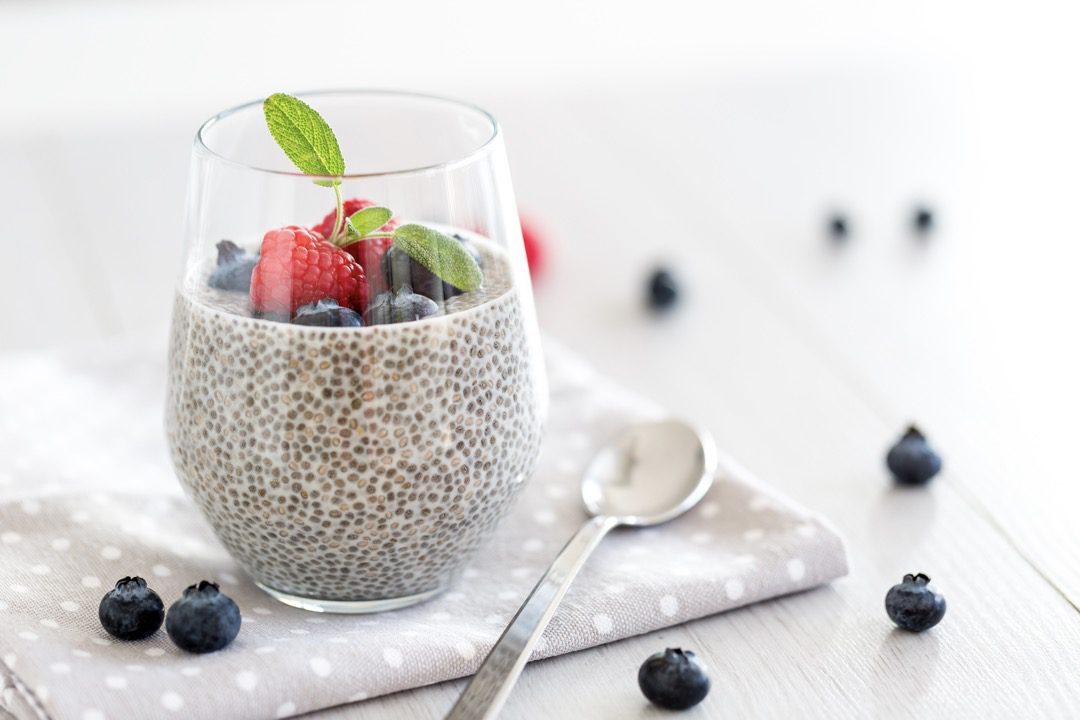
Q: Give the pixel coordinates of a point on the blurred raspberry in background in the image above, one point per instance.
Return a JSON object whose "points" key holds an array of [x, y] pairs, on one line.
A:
{"points": [[535, 250]]}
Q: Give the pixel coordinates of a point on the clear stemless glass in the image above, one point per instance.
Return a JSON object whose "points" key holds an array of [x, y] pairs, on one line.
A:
{"points": [[354, 469]]}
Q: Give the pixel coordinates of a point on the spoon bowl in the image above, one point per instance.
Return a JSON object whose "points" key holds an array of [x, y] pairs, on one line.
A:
{"points": [[650, 474]]}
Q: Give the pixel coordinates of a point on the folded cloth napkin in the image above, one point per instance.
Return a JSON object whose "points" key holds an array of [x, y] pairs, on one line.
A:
{"points": [[70, 526]]}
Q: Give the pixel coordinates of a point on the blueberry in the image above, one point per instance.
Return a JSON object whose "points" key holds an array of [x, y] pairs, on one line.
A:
{"points": [[234, 266], [838, 227], [229, 252], [663, 290], [911, 460], [913, 605], [327, 313], [400, 306], [203, 619], [131, 611], [923, 220], [400, 270], [673, 679]]}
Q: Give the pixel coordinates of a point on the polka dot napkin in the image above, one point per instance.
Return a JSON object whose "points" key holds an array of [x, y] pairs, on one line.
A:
{"points": [[87, 496]]}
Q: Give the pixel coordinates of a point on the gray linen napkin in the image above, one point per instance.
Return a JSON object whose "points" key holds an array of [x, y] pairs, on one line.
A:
{"points": [[86, 498]]}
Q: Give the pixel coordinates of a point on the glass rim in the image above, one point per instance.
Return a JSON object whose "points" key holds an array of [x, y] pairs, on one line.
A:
{"points": [[482, 149]]}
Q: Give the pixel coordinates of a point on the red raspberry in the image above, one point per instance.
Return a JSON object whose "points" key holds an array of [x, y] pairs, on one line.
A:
{"points": [[297, 267], [534, 248], [369, 252], [351, 206]]}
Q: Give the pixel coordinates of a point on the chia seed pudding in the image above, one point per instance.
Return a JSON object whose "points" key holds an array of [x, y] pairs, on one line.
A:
{"points": [[356, 464]]}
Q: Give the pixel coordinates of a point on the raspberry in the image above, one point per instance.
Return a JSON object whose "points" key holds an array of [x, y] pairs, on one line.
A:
{"points": [[297, 267], [351, 206], [534, 248], [369, 252]]}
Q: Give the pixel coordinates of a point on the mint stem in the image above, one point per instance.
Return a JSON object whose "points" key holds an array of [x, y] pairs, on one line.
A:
{"points": [[339, 217]]}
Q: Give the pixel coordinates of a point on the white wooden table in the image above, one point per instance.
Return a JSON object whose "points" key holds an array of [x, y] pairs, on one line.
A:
{"points": [[805, 359]]}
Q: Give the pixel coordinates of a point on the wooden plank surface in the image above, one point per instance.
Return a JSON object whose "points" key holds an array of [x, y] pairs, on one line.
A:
{"points": [[803, 361], [771, 388], [964, 331]]}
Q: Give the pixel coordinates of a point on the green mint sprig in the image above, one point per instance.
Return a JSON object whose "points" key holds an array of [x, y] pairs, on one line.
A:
{"points": [[304, 136], [364, 222], [311, 145]]}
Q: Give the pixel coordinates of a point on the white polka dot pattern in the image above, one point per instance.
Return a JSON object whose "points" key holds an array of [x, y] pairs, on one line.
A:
{"points": [[742, 545], [669, 606], [246, 680], [172, 701], [393, 657]]}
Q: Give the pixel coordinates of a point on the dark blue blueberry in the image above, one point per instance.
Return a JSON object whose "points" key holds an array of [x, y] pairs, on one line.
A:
{"points": [[673, 679], [913, 605], [398, 307], [229, 252], [400, 270], [923, 220], [203, 620], [327, 313], [131, 611], [234, 266], [911, 460], [838, 227], [663, 290]]}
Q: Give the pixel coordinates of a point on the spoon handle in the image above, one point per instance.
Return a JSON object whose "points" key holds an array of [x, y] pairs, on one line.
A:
{"points": [[491, 685]]}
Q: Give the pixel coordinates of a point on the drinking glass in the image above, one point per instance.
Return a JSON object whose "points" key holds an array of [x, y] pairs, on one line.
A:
{"points": [[355, 469]]}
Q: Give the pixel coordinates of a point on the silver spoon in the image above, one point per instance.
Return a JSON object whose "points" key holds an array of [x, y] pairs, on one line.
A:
{"points": [[651, 474]]}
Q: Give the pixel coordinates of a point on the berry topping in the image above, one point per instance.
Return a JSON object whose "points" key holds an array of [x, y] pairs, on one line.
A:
{"points": [[397, 307], [923, 220], [911, 460], [229, 252], [349, 208], [663, 290], [203, 619], [234, 266], [673, 679], [297, 267], [838, 227], [913, 605], [535, 252], [327, 313], [369, 252], [400, 270], [131, 610], [299, 273]]}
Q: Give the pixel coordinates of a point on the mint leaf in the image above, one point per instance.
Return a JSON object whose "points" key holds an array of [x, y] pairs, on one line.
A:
{"points": [[369, 220], [441, 254], [304, 136]]}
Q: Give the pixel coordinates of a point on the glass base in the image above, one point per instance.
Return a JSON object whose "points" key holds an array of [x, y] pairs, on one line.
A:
{"points": [[348, 607]]}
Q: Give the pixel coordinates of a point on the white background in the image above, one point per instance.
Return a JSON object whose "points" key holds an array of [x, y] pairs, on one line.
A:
{"points": [[710, 136]]}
